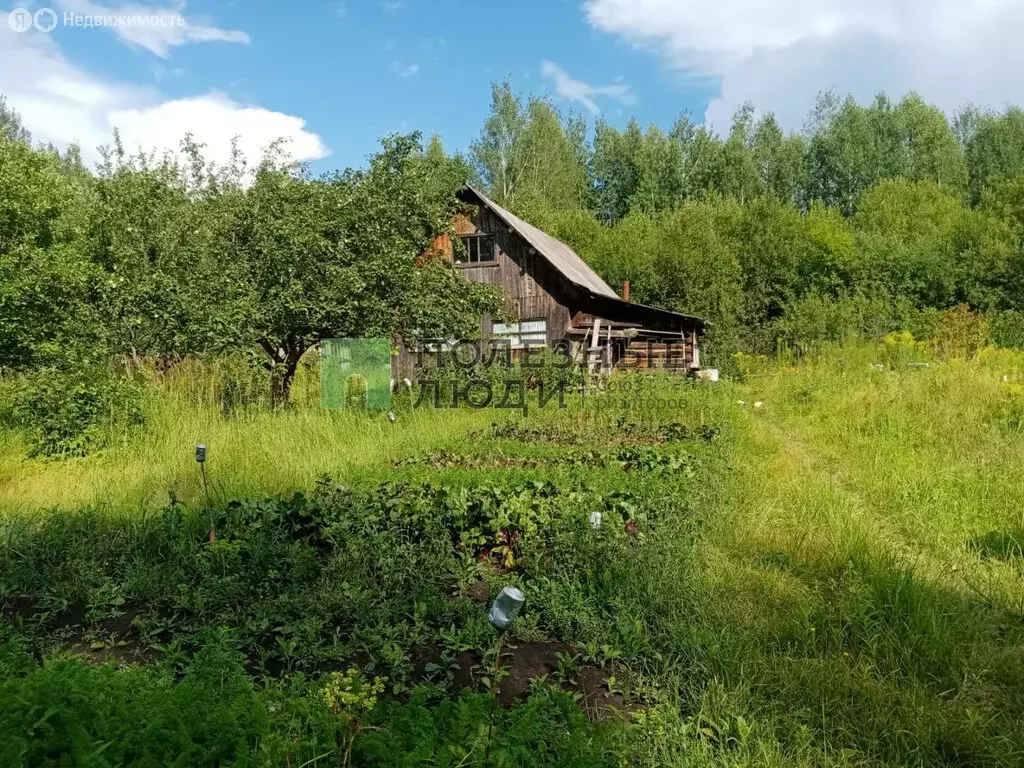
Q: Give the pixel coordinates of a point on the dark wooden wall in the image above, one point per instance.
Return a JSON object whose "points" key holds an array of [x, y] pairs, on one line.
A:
{"points": [[533, 289]]}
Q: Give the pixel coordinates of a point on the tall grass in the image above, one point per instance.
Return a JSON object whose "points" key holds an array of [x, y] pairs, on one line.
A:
{"points": [[866, 586], [253, 452]]}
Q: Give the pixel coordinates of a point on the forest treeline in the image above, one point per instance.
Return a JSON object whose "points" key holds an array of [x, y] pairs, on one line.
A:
{"points": [[873, 218]]}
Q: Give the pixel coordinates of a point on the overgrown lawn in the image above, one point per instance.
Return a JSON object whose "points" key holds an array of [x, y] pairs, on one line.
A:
{"points": [[831, 578]]}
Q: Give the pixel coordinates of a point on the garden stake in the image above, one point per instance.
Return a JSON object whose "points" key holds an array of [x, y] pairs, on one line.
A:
{"points": [[503, 612], [201, 460], [494, 701]]}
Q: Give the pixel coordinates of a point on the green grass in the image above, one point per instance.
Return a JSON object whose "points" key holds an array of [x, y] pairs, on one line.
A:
{"points": [[253, 453], [832, 578], [847, 565]]}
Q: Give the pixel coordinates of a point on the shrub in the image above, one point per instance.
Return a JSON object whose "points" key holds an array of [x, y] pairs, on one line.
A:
{"points": [[67, 713], [962, 333], [72, 412], [1006, 329], [899, 348], [814, 319]]}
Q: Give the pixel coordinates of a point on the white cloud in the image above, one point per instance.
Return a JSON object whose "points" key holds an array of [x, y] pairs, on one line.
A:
{"points": [[130, 23], [63, 104], [404, 70], [214, 119], [584, 93], [780, 55], [161, 72]]}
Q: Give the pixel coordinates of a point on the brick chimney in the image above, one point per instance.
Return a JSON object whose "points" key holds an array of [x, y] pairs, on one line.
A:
{"points": [[625, 291]]}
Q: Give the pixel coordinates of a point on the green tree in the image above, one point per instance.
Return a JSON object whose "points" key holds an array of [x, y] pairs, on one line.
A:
{"points": [[445, 172], [159, 239], [770, 241], [500, 153], [651, 172], [531, 158], [908, 242], [662, 172], [11, 127], [614, 169], [618, 253], [853, 148], [702, 159], [696, 270], [929, 141], [555, 177], [741, 177], [45, 275], [337, 257], [780, 160], [993, 145]]}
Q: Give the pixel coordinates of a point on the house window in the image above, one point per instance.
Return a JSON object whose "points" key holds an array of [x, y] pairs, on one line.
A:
{"points": [[477, 249], [532, 332]]}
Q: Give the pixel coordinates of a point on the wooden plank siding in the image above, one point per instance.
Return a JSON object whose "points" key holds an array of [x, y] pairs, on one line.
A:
{"points": [[530, 284]]}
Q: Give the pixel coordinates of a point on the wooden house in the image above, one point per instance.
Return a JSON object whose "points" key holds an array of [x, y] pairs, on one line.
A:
{"points": [[555, 297]]}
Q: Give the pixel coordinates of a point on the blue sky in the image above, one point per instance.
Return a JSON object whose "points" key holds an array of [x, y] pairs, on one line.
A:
{"points": [[336, 75], [361, 69], [357, 70]]}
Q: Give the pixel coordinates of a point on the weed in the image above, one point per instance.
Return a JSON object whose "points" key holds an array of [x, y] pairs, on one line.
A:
{"points": [[351, 697]]}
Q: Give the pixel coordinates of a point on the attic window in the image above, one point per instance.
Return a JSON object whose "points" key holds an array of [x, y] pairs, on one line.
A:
{"points": [[478, 249]]}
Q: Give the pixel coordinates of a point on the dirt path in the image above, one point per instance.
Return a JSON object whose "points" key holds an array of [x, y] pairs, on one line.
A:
{"points": [[823, 469], [871, 520]]}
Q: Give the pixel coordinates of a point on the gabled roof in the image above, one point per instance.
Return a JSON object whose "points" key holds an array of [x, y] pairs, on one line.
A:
{"points": [[558, 254]]}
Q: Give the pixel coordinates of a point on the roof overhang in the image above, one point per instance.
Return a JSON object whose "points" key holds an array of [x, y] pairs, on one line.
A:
{"points": [[620, 310], [560, 256]]}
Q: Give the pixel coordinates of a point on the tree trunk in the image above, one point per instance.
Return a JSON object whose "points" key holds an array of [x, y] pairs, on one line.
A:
{"points": [[281, 378], [284, 362]]}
